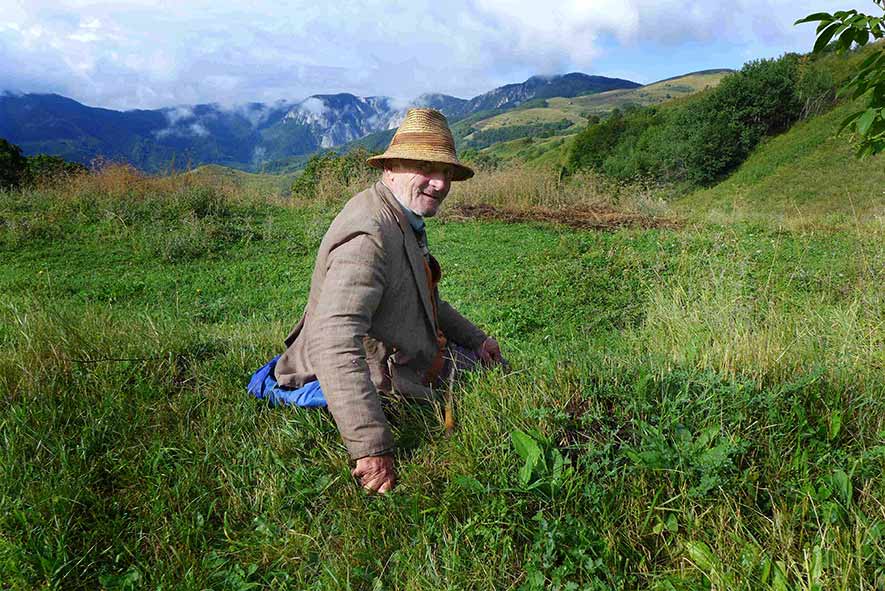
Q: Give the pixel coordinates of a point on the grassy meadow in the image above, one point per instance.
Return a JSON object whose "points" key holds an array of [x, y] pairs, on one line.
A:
{"points": [[691, 407]]}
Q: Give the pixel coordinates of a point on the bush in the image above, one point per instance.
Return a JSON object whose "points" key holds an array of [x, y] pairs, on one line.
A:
{"points": [[480, 161], [44, 168], [707, 137], [484, 138], [13, 166], [330, 167], [592, 145]]}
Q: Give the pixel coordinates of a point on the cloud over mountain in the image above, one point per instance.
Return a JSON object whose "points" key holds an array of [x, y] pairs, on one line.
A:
{"points": [[142, 54]]}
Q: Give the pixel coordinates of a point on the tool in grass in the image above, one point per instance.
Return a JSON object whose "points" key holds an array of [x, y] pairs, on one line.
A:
{"points": [[449, 401]]}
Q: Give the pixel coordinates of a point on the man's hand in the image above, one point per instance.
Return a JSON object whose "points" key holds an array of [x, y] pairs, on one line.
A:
{"points": [[489, 352], [375, 473]]}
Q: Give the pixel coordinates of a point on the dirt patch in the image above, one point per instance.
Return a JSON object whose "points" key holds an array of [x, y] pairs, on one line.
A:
{"points": [[582, 218]]}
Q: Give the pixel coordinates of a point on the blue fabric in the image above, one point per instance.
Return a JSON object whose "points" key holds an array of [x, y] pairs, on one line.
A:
{"points": [[264, 385]]}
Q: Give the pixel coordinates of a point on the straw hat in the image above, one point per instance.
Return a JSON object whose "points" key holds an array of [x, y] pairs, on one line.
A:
{"points": [[424, 135]]}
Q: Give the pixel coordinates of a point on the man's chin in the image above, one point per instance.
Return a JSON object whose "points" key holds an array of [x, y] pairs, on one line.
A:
{"points": [[430, 209]]}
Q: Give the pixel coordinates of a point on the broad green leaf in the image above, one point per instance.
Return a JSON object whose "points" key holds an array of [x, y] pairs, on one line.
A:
{"points": [[707, 436], [871, 60], [843, 486], [835, 425], [817, 16], [525, 473], [866, 120], [848, 121], [525, 446], [470, 483], [701, 555]]}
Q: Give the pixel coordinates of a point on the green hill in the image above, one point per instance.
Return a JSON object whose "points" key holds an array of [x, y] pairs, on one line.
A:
{"points": [[538, 133], [806, 172], [577, 109]]}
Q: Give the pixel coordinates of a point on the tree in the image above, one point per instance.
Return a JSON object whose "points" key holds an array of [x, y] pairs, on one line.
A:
{"points": [[13, 165], [844, 29], [43, 167]]}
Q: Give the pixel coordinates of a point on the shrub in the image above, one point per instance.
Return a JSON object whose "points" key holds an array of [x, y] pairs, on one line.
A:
{"points": [[13, 166], [45, 168], [480, 161], [592, 145], [330, 168], [484, 138], [707, 137]]}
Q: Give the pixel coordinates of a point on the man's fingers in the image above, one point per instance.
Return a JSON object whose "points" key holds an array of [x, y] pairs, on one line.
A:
{"points": [[373, 483], [374, 472], [380, 483], [374, 480]]}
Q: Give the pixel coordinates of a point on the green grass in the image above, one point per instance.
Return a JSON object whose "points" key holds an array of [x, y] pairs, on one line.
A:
{"points": [[531, 151], [215, 175], [705, 406]]}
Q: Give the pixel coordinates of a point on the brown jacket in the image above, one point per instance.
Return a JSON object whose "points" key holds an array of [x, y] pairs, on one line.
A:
{"points": [[368, 324]]}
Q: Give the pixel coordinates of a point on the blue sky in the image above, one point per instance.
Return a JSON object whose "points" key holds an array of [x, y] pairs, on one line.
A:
{"points": [[129, 54]]}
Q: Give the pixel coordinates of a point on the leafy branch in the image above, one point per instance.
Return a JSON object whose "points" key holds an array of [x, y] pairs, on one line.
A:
{"points": [[843, 29]]}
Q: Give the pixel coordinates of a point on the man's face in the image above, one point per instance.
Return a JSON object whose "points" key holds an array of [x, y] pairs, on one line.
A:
{"points": [[421, 186]]}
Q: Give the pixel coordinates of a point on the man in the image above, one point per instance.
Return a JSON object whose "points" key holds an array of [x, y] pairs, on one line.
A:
{"points": [[374, 320]]}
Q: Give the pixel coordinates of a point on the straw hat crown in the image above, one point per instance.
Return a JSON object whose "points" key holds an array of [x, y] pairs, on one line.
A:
{"points": [[424, 135]]}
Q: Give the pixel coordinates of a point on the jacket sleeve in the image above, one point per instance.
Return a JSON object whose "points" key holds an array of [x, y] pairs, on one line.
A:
{"points": [[352, 289], [457, 328]]}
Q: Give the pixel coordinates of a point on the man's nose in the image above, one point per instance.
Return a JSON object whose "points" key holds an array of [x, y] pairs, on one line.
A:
{"points": [[439, 182]]}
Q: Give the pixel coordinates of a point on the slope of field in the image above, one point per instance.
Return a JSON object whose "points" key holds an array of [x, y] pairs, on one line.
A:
{"points": [[806, 172], [219, 176], [688, 409]]}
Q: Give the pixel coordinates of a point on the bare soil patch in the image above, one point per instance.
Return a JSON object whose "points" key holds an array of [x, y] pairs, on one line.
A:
{"points": [[598, 217]]}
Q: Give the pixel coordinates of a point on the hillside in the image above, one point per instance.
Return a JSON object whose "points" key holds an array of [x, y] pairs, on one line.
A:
{"points": [[805, 173], [522, 134], [577, 109], [218, 176]]}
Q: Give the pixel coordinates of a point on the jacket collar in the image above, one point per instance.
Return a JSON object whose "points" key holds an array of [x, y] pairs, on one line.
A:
{"points": [[413, 250]]}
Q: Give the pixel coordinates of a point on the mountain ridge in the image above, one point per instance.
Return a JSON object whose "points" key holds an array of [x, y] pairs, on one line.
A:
{"points": [[245, 136]]}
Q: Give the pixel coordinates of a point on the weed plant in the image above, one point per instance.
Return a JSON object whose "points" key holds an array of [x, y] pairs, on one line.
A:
{"points": [[689, 409]]}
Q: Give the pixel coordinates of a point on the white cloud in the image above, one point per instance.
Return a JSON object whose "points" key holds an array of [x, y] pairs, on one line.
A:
{"points": [[198, 129], [176, 114], [314, 106], [152, 53]]}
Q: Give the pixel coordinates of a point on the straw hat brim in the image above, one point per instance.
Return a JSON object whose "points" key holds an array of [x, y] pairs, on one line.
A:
{"points": [[461, 172]]}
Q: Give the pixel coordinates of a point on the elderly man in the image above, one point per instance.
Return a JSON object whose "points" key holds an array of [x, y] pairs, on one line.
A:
{"points": [[374, 319]]}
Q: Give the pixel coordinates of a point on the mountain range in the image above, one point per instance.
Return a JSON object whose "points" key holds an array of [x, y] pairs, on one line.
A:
{"points": [[250, 136]]}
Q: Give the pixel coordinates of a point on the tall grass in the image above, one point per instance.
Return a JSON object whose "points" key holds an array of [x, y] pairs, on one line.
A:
{"points": [[518, 187], [688, 409]]}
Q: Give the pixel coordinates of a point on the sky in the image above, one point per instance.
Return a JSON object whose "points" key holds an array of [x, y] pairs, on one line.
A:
{"points": [[127, 54]]}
